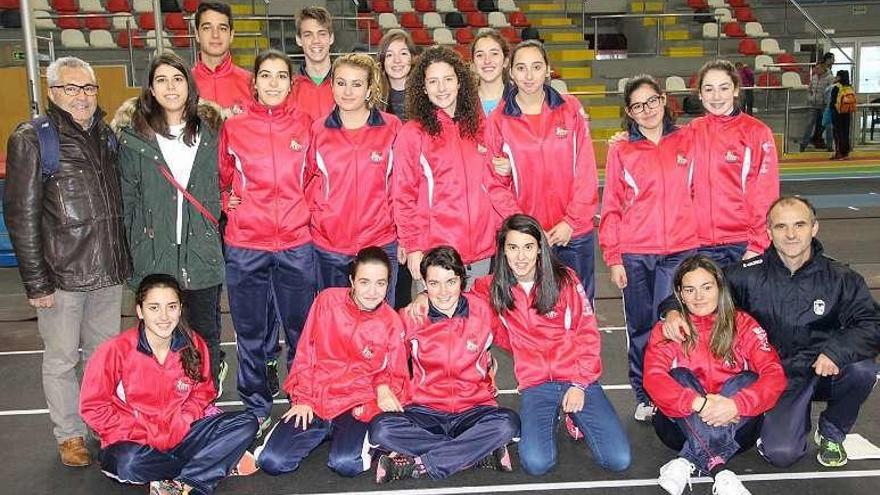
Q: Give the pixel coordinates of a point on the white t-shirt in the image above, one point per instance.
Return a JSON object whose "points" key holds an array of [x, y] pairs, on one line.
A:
{"points": [[527, 286], [179, 158]]}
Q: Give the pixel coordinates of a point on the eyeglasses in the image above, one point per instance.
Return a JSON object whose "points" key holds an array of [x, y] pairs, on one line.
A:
{"points": [[75, 89], [641, 106]]}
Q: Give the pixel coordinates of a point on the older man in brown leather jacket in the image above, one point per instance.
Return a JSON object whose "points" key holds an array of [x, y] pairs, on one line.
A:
{"points": [[67, 232]]}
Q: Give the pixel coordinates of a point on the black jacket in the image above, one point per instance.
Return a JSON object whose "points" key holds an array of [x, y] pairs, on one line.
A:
{"points": [[66, 230], [823, 307]]}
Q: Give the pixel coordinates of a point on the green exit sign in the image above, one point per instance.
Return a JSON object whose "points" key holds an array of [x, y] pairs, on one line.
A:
{"points": [[17, 55], [859, 9]]}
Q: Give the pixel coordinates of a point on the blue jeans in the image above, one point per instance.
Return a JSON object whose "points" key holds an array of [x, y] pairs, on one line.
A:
{"points": [[649, 282], [724, 254], [286, 445], [784, 436], [334, 269], [579, 256], [708, 446], [603, 433]]}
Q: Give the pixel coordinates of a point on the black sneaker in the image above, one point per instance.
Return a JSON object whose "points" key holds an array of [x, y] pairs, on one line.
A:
{"points": [[272, 377], [497, 460], [395, 467], [831, 453]]}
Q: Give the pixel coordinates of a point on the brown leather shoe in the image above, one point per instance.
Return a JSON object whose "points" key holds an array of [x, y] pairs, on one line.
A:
{"points": [[74, 453]]}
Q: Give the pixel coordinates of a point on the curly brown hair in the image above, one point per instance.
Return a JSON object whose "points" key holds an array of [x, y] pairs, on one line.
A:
{"points": [[468, 111]]}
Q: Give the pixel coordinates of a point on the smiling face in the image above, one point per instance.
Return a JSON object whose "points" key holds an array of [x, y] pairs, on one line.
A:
{"points": [[441, 84], [792, 228], [718, 92], [489, 61], [444, 289], [272, 82], [398, 61], [646, 107], [80, 106], [315, 41], [529, 70], [160, 312], [350, 87], [521, 251], [214, 34], [699, 292], [169, 87], [369, 285]]}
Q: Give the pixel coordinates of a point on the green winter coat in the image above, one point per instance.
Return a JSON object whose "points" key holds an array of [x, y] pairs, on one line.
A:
{"points": [[150, 208]]}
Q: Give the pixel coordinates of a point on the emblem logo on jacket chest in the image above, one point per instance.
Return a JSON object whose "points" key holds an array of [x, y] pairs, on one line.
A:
{"points": [[681, 159], [375, 157], [561, 132], [295, 146], [819, 307], [731, 157], [367, 353], [182, 386], [471, 346]]}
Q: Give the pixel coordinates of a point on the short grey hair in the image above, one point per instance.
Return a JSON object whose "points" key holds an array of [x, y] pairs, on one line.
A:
{"points": [[53, 72]]}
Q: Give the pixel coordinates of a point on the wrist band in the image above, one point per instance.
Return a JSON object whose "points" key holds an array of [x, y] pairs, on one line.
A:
{"points": [[705, 401]]}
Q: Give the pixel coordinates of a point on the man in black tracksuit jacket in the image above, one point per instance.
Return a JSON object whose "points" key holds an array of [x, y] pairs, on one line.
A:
{"points": [[820, 316]]}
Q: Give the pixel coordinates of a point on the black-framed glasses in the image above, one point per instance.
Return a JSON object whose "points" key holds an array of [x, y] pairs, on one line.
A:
{"points": [[75, 89], [652, 103]]}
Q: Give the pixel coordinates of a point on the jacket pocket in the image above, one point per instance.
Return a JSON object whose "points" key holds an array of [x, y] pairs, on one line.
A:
{"points": [[74, 199]]}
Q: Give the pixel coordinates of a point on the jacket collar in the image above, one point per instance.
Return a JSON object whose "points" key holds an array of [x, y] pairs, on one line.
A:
{"points": [[222, 69], [461, 311], [178, 340], [62, 118], [636, 135], [265, 113], [816, 250], [552, 99], [334, 121], [726, 118], [327, 77]]}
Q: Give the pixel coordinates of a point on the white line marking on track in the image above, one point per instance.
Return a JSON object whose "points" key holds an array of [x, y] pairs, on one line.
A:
{"points": [[585, 485], [853, 208]]}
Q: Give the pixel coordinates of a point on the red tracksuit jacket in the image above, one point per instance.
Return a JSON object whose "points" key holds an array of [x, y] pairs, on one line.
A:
{"points": [[350, 194], [228, 85], [315, 100], [647, 203], [446, 191], [752, 352], [127, 396], [451, 362], [344, 353], [262, 158], [735, 180], [552, 160], [562, 345]]}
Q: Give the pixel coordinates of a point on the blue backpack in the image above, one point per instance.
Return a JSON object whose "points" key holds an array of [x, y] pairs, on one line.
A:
{"points": [[50, 145]]}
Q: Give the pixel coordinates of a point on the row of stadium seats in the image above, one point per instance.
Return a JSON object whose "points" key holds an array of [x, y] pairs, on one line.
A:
{"points": [[146, 21], [111, 6], [443, 6], [101, 38], [432, 20]]}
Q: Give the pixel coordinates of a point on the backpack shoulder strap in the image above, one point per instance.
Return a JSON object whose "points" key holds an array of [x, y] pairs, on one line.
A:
{"points": [[50, 146]]}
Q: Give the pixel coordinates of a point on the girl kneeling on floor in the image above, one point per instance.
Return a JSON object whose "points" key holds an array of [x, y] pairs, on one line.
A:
{"points": [[712, 389], [145, 393], [341, 377]]}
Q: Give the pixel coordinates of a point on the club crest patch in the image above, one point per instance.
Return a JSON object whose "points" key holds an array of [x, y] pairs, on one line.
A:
{"points": [[182, 386], [482, 149], [367, 353], [375, 157], [731, 157], [819, 307], [681, 160], [561, 132], [471, 346], [295, 146]]}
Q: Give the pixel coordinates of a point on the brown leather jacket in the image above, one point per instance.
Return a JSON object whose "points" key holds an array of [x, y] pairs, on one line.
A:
{"points": [[66, 230]]}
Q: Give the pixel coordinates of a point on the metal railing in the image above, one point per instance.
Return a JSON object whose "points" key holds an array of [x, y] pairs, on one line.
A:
{"points": [[596, 18]]}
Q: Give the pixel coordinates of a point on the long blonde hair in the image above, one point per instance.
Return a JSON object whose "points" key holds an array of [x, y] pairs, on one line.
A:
{"points": [[374, 76]]}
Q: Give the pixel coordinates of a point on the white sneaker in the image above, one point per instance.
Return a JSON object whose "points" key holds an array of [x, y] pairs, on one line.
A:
{"points": [[675, 475], [644, 411], [726, 483]]}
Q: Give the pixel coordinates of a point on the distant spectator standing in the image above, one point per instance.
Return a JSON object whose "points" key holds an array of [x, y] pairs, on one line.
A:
{"points": [[747, 80], [843, 105], [819, 81], [65, 221]]}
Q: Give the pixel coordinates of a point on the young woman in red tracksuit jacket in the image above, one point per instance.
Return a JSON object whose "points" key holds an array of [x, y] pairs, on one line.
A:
{"points": [[549, 326], [713, 388], [342, 375], [648, 222], [270, 258], [736, 177], [451, 420], [350, 160], [547, 143], [445, 191], [145, 393]]}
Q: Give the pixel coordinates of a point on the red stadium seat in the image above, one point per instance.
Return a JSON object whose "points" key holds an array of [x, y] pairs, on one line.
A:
{"points": [[787, 58], [382, 7], [373, 37], [422, 37], [146, 21], [509, 34], [464, 36], [175, 22], [190, 6], [424, 6], [65, 6], [97, 23], [698, 4], [734, 30], [744, 14], [738, 3], [464, 51], [768, 79], [116, 6], [410, 20], [68, 23], [180, 38], [367, 23], [122, 39], [465, 5], [477, 20], [10, 5], [518, 19], [692, 82], [749, 47]]}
